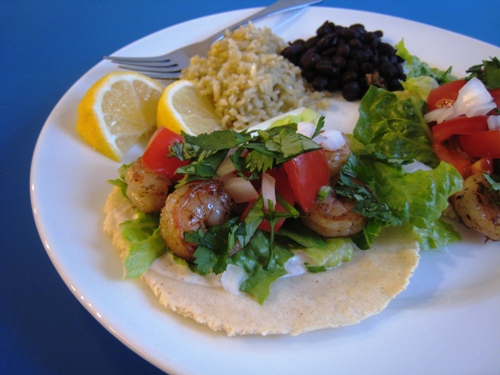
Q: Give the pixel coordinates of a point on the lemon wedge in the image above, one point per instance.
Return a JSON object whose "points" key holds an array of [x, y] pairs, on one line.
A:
{"points": [[117, 110], [182, 108]]}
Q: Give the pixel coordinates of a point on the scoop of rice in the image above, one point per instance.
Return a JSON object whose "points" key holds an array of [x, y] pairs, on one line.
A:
{"points": [[248, 81]]}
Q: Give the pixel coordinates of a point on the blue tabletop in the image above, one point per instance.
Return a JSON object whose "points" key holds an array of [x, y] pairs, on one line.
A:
{"points": [[45, 46]]}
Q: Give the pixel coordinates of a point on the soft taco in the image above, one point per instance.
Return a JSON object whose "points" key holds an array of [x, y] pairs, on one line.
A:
{"points": [[341, 296], [359, 275]]}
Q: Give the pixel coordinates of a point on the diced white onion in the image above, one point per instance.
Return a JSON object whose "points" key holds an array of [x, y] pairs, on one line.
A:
{"points": [[473, 100], [226, 167], [473, 94], [232, 278], [330, 140], [480, 109], [493, 122], [306, 128], [240, 190], [439, 115], [268, 189]]}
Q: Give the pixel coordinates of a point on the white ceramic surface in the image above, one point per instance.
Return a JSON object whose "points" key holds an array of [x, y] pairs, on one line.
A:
{"points": [[447, 321]]}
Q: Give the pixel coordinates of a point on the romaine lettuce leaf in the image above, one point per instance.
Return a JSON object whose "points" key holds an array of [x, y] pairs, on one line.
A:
{"points": [[322, 253], [416, 68], [146, 243], [417, 198], [394, 128]]}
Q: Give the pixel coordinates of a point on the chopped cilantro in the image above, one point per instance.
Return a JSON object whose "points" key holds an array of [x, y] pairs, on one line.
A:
{"points": [[488, 72], [253, 153]]}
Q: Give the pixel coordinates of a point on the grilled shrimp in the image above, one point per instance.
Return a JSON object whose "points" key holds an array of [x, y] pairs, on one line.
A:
{"points": [[478, 207], [333, 217], [146, 189], [194, 205]]}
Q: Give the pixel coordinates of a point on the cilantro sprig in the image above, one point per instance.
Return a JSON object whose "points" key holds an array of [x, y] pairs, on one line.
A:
{"points": [[253, 153], [488, 72]]}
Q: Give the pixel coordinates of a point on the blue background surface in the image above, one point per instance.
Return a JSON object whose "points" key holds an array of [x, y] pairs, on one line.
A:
{"points": [[45, 46]]}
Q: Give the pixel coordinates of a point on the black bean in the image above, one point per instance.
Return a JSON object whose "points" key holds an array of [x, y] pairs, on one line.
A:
{"points": [[387, 70], [309, 60], [348, 77], [326, 28], [349, 33], [333, 84], [343, 50], [383, 58], [360, 28], [299, 42], [351, 66], [311, 42], [325, 42], [400, 71], [386, 49], [374, 60], [395, 85], [366, 67], [329, 52], [308, 75], [320, 83], [292, 52], [338, 61], [352, 91], [355, 43], [346, 58], [359, 55], [326, 68]]}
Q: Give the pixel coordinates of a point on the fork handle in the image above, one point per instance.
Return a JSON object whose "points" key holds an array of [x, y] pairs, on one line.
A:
{"points": [[279, 6]]}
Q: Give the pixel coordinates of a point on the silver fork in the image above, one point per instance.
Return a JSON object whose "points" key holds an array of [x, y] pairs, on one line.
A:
{"points": [[170, 65]]}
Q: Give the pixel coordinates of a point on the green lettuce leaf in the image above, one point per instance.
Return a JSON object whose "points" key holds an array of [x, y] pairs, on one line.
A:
{"points": [[417, 198], [146, 243], [323, 253], [394, 128], [416, 68]]}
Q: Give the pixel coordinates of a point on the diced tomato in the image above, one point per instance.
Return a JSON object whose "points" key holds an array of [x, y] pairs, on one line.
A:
{"points": [[453, 157], [445, 95], [459, 125], [155, 156], [495, 93], [283, 186], [307, 173], [481, 144], [483, 165]]}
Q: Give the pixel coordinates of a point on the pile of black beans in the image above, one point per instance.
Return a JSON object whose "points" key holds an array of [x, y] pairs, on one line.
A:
{"points": [[349, 59]]}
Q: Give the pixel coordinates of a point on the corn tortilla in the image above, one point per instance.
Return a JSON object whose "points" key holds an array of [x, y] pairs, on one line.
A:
{"points": [[342, 296]]}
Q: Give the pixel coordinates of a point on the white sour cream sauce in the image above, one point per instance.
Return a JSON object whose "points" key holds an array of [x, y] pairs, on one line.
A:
{"points": [[230, 279]]}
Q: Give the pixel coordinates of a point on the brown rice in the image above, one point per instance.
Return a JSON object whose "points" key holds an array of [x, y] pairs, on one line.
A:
{"points": [[248, 81]]}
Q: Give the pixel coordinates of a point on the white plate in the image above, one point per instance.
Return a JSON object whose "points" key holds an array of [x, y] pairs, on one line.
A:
{"points": [[447, 321]]}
